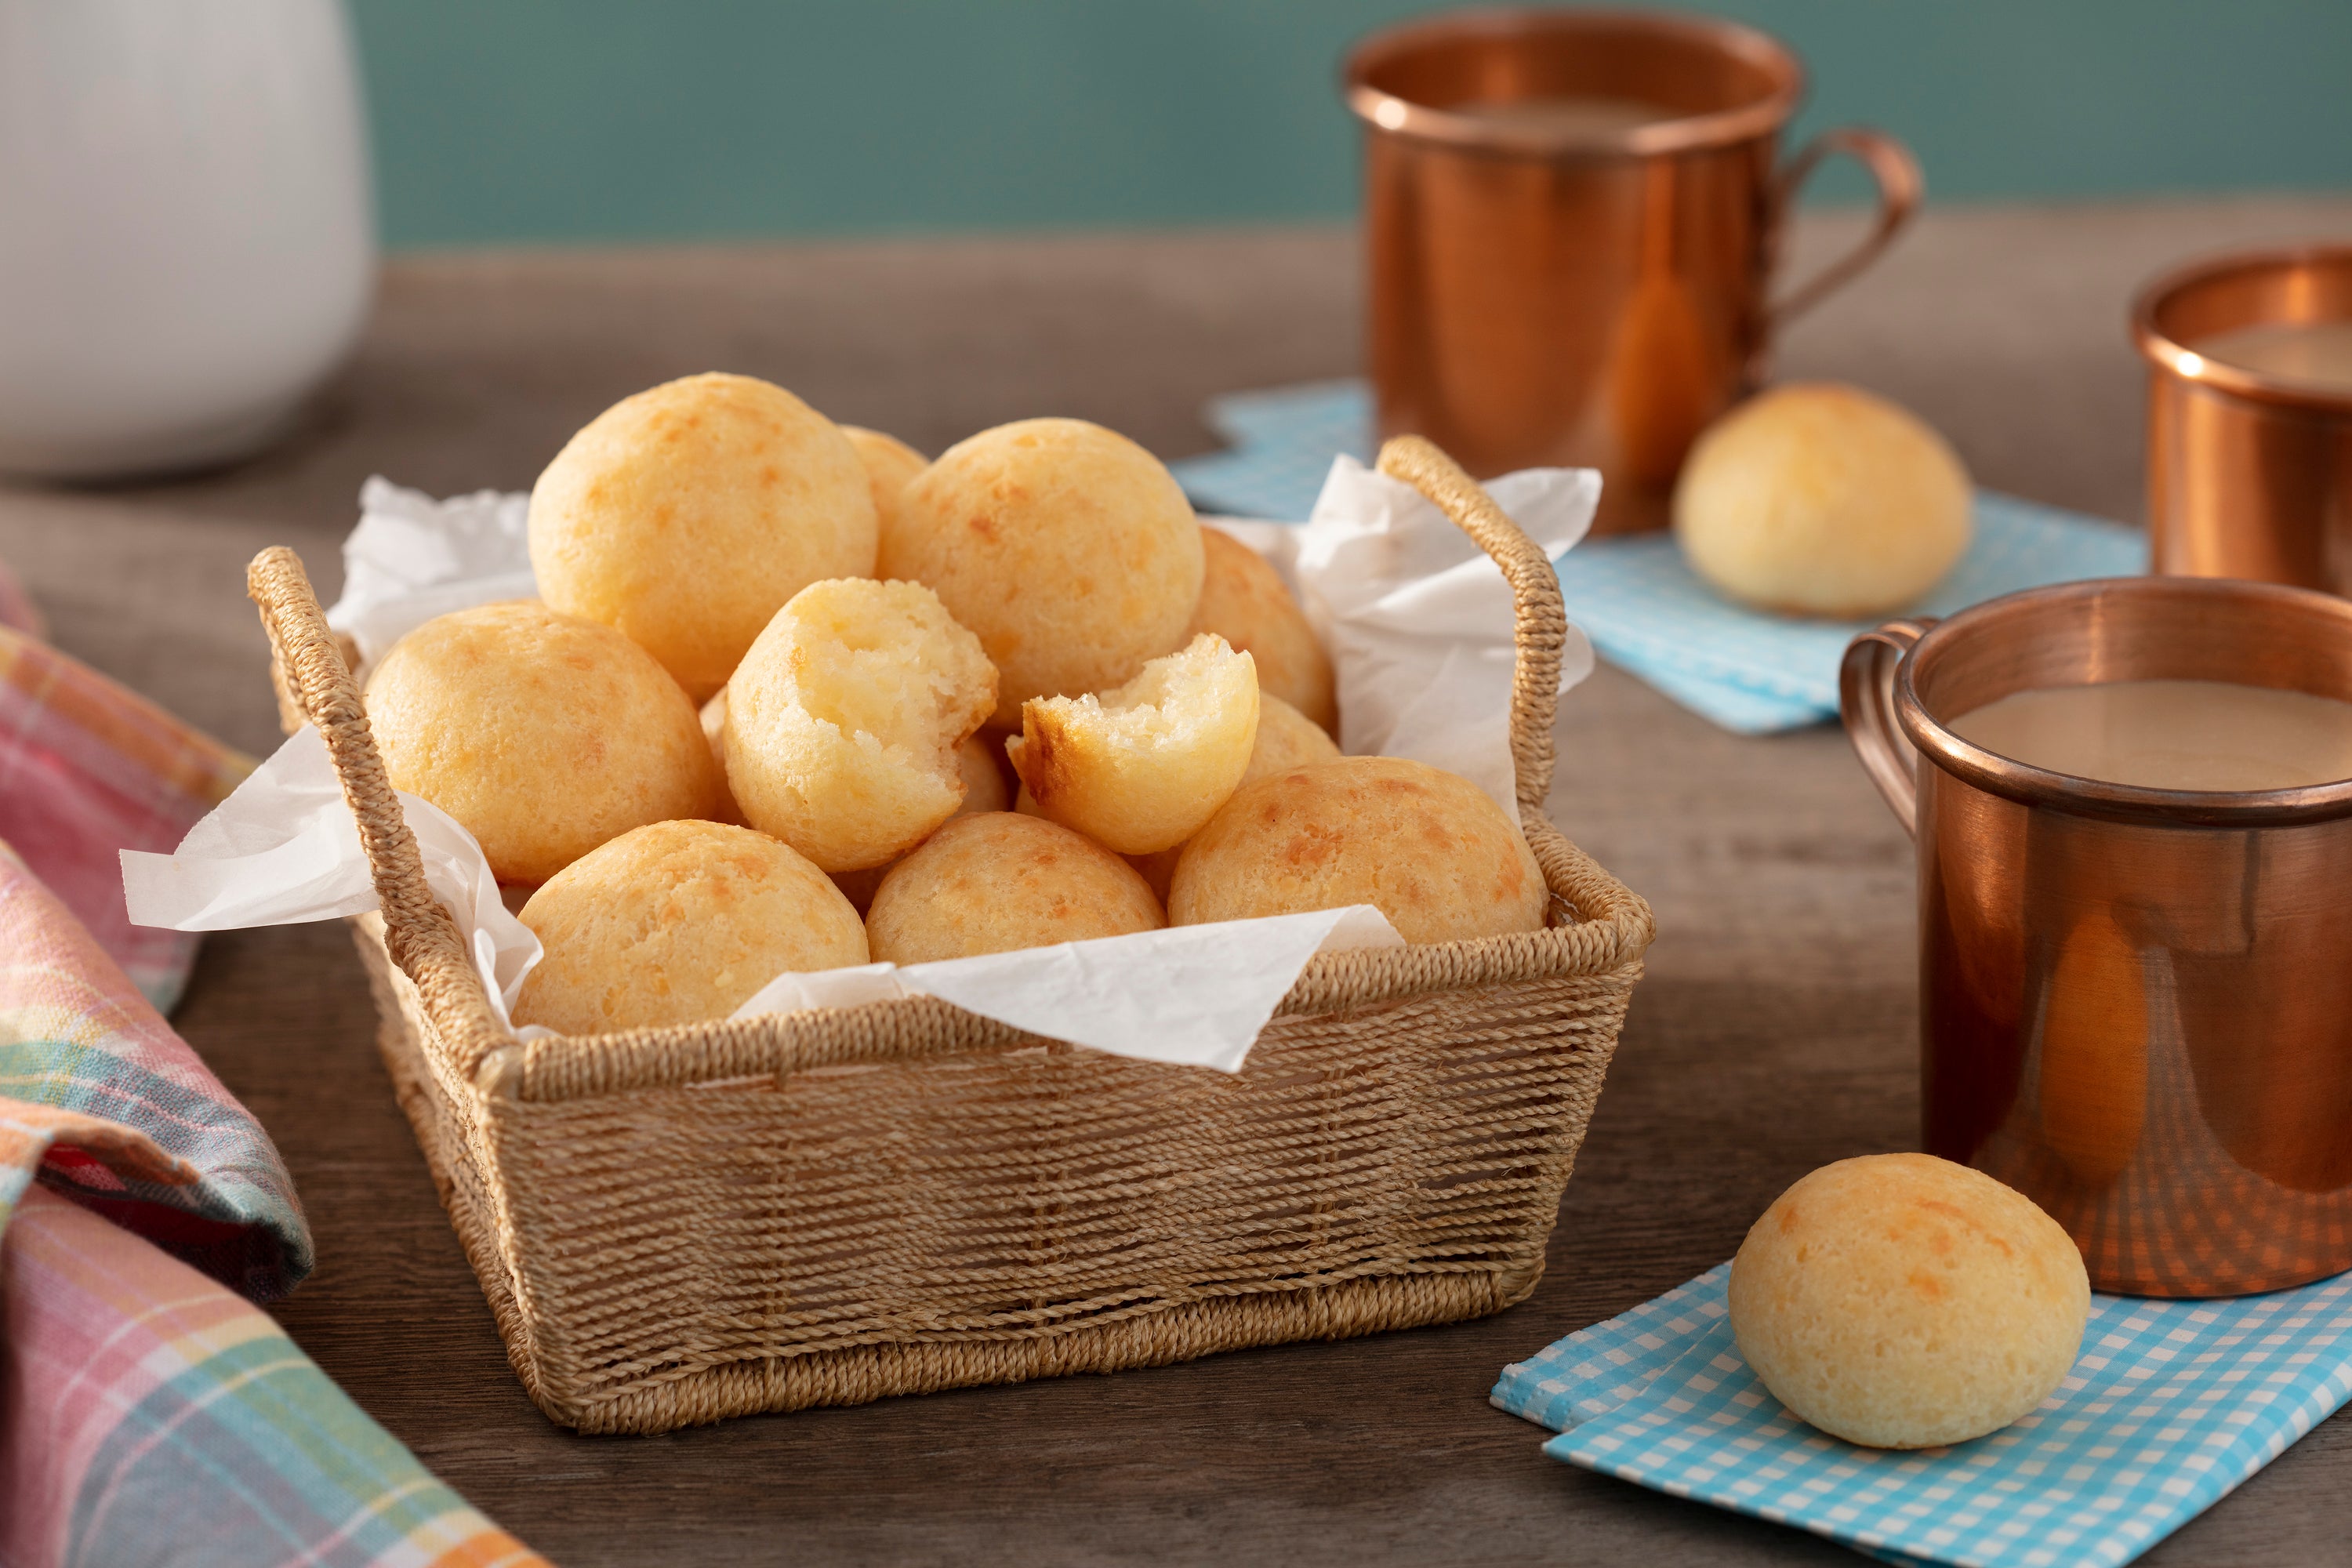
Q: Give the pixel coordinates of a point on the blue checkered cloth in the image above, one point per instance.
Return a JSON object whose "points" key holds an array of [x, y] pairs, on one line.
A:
{"points": [[1748, 671], [2170, 1406]]}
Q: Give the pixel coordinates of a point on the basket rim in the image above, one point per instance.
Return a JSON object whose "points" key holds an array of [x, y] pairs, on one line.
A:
{"points": [[1610, 929], [910, 1029]]}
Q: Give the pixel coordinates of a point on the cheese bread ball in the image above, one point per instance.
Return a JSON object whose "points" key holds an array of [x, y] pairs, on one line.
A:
{"points": [[1285, 739], [686, 515], [890, 464], [1901, 1302], [1244, 601], [843, 719], [679, 921], [1068, 548], [1424, 846], [1141, 766], [983, 790], [542, 733], [1822, 501], [997, 881]]}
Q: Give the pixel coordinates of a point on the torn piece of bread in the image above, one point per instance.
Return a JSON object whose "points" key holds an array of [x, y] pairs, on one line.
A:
{"points": [[844, 718], [1140, 767]]}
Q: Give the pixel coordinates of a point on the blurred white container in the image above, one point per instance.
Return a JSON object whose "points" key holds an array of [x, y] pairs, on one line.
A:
{"points": [[187, 234]]}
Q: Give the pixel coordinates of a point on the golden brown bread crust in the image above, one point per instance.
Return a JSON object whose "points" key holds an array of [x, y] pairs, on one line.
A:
{"points": [[997, 881], [685, 516], [889, 463], [1903, 1301], [1244, 601], [1823, 500], [679, 921], [543, 734], [1424, 846], [1068, 548]]}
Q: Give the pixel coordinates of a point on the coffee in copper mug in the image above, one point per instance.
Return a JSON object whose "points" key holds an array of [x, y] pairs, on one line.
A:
{"points": [[1571, 220], [2249, 416], [2136, 990]]}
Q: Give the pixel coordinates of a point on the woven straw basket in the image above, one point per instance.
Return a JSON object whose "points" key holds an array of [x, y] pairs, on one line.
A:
{"points": [[678, 1225]]}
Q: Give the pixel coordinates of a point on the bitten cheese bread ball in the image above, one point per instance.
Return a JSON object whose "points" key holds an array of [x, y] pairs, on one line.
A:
{"points": [[685, 516], [1141, 766], [1903, 1301], [890, 464], [542, 733], [679, 921], [1424, 846], [997, 881], [1285, 739], [983, 790], [1244, 601], [1823, 501], [843, 719], [1068, 548]]}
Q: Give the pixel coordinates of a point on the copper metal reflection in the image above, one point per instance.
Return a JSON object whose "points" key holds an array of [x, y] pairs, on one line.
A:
{"points": [[2247, 476], [1538, 299], [2136, 1005]]}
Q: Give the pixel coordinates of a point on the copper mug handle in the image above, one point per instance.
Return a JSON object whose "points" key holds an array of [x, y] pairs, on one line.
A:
{"points": [[1866, 704], [1900, 186]]}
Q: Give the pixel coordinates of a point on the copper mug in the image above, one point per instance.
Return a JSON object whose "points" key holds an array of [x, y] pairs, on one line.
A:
{"points": [[1552, 293], [2249, 475], [2136, 1005]]}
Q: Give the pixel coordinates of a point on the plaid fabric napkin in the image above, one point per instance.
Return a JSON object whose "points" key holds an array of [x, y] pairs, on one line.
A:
{"points": [[89, 768], [2170, 1406], [153, 1415], [1644, 611]]}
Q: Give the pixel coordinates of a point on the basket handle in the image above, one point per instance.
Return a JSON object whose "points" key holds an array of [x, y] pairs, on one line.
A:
{"points": [[315, 686], [1540, 630]]}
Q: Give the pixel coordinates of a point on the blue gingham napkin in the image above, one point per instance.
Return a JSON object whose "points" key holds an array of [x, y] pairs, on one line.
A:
{"points": [[2170, 1406], [1747, 670]]}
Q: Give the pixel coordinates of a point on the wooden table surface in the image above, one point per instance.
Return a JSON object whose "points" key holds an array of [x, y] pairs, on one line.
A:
{"points": [[1774, 1031]]}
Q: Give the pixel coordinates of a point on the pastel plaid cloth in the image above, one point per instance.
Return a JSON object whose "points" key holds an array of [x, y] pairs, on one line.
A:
{"points": [[89, 768], [153, 1417], [2170, 1406], [1642, 606]]}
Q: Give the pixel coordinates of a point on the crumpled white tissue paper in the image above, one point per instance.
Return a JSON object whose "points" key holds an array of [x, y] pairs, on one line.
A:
{"points": [[1417, 619]]}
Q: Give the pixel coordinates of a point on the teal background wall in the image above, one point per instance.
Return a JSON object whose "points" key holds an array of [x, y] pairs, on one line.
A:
{"points": [[534, 121]]}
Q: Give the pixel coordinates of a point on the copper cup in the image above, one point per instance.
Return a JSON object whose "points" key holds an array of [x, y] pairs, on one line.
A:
{"points": [[2249, 475], [2135, 1003], [1545, 293]]}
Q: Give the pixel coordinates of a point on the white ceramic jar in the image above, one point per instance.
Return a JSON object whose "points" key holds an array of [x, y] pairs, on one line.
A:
{"points": [[187, 235]]}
